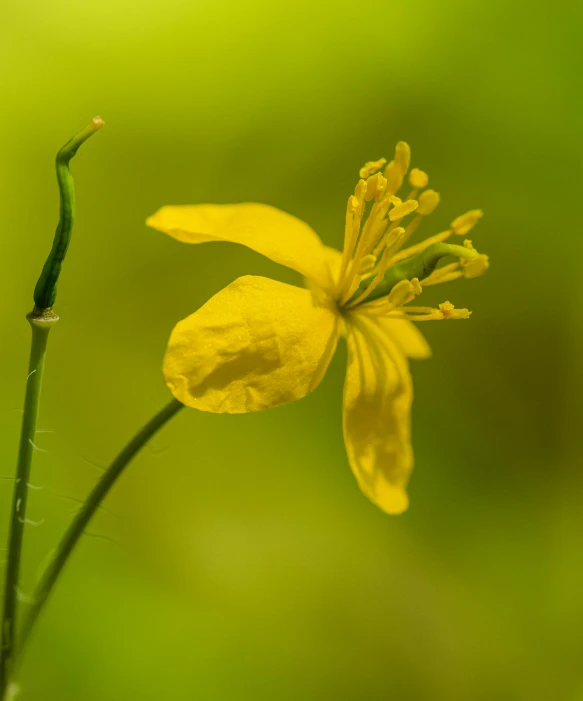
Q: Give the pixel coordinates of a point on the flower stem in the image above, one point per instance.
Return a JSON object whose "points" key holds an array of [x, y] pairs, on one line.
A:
{"points": [[93, 502], [40, 333]]}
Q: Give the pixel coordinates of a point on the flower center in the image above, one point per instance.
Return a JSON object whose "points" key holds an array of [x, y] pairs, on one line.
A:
{"points": [[374, 266]]}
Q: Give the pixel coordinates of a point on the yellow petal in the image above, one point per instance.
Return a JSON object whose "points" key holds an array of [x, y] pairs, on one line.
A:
{"points": [[256, 344], [267, 230], [406, 336], [377, 411], [334, 260]]}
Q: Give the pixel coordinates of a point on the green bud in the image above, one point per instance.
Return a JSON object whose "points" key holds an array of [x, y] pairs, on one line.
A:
{"points": [[45, 291]]}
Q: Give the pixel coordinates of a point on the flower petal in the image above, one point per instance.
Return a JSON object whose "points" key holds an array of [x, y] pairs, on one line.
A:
{"points": [[377, 412], [256, 344], [406, 336], [280, 236], [334, 260]]}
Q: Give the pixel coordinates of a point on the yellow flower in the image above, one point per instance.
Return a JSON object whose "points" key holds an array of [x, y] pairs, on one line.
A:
{"points": [[259, 343]]}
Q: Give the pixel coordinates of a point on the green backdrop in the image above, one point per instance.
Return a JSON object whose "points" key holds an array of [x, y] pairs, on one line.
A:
{"points": [[237, 560]]}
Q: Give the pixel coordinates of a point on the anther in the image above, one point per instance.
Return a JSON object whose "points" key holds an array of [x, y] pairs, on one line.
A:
{"points": [[394, 177], [372, 167], [367, 264], [404, 292], [428, 201], [418, 178], [402, 209], [448, 311], [464, 223], [394, 237], [360, 189], [403, 156], [375, 186]]}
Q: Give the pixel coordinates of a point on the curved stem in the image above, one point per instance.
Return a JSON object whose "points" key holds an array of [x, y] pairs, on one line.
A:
{"points": [[40, 333], [79, 523]]}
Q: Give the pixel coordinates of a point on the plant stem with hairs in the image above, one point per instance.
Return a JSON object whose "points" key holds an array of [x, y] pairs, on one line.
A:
{"points": [[41, 319], [72, 535]]}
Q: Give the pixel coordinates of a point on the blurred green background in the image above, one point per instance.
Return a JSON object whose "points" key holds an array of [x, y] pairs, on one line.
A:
{"points": [[237, 559]]}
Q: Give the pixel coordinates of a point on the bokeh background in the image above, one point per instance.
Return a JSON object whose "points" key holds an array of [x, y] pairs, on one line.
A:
{"points": [[237, 560]]}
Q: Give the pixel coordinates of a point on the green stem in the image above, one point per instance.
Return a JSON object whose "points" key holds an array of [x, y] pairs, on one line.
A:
{"points": [[75, 531], [40, 333]]}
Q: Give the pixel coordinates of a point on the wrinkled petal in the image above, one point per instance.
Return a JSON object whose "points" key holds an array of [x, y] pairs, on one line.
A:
{"points": [[377, 411], [256, 344], [275, 234], [406, 336]]}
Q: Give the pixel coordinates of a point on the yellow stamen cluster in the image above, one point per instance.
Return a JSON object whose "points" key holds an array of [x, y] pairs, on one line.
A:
{"points": [[374, 236]]}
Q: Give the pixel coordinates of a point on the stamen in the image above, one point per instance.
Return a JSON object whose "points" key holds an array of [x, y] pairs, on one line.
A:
{"points": [[446, 274], [396, 170], [393, 241], [450, 312], [371, 167], [418, 178], [403, 156], [375, 186], [421, 246], [401, 209], [428, 201], [465, 222], [367, 264], [445, 311], [354, 212], [371, 233], [394, 177], [404, 292]]}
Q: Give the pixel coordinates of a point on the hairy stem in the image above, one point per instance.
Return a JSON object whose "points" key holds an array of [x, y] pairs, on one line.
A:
{"points": [[42, 318], [75, 531], [40, 333]]}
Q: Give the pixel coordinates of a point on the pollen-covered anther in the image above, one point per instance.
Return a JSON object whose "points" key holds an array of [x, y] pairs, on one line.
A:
{"points": [[465, 222], [375, 186], [403, 156], [448, 311], [360, 190], [367, 264], [397, 168], [418, 178], [428, 201], [401, 209], [393, 238], [475, 267], [394, 177], [403, 292], [371, 167]]}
